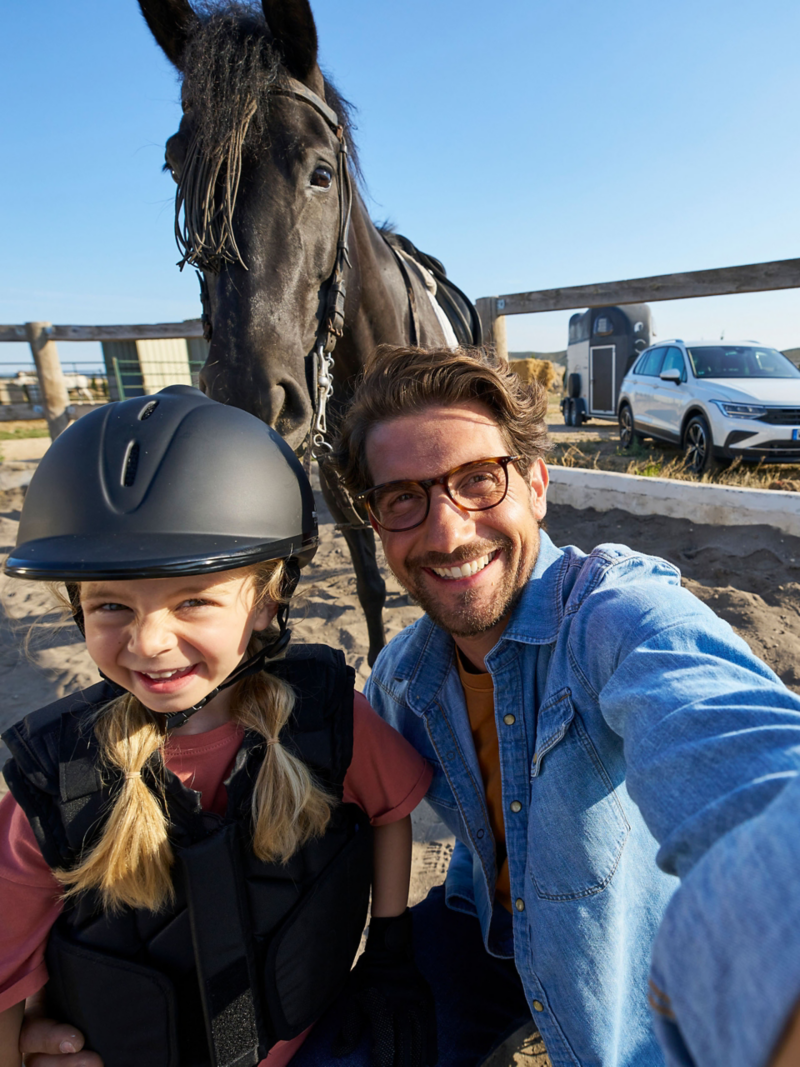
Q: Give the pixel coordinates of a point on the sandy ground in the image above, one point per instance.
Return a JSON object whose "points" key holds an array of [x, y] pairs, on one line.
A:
{"points": [[25, 450], [750, 576]]}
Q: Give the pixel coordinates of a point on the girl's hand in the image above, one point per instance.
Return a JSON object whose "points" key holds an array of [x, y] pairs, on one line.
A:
{"points": [[47, 1043], [390, 999]]}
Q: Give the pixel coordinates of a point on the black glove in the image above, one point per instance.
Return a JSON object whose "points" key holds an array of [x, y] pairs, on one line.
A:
{"points": [[388, 994]]}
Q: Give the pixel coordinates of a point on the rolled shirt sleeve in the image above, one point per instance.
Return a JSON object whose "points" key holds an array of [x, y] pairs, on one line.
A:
{"points": [[387, 778]]}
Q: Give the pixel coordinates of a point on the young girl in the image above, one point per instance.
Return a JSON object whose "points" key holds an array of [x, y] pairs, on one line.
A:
{"points": [[187, 848]]}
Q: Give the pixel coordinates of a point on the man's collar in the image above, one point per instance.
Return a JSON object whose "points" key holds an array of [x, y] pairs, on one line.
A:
{"points": [[538, 614], [535, 621]]}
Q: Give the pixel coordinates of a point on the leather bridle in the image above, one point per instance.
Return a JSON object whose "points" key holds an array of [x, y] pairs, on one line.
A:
{"points": [[332, 324]]}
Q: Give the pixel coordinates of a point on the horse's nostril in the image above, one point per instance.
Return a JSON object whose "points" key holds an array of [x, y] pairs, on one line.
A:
{"points": [[274, 404]]}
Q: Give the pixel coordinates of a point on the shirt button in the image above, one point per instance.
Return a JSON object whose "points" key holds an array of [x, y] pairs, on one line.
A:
{"points": [[509, 720], [479, 833], [516, 806], [519, 904], [538, 1006]]}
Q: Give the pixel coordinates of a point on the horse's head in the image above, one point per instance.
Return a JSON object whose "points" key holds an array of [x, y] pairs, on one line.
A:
{"points": [[258, 203]]}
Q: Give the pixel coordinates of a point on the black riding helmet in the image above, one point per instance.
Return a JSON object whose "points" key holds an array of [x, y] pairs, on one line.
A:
{"points": [[162, 485]]}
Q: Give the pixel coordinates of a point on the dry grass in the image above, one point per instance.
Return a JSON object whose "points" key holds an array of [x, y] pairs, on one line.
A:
{"points": [[649, 461], [596, 447]]}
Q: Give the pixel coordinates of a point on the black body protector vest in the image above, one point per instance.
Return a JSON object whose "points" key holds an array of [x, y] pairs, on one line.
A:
{"points": [[251, 952]]}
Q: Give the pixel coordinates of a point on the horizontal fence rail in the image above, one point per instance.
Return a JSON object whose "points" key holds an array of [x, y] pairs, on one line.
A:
{"points": [[155, 331], [722, 281]]}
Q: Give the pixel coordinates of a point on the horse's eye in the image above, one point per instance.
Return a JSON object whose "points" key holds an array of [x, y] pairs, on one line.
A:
{"points": [[322, 177], [175, 155]]}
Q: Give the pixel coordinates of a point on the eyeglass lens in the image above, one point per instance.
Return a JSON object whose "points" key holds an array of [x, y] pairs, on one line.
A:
{"points": [[474, 487]]}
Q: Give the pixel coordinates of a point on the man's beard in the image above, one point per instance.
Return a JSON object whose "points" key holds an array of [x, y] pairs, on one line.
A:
{"points": [[467, 616]]}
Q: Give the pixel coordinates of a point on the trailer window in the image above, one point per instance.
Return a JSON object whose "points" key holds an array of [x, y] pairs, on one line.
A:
{"points": [[603, 326]]}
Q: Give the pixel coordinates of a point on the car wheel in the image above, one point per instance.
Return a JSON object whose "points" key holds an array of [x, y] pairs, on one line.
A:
{"points": [[577, 416], [627, 435], [567, 410], [697, 447]]}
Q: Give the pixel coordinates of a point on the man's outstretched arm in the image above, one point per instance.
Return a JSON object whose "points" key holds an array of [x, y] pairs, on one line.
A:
{"points": [[725, 982]]}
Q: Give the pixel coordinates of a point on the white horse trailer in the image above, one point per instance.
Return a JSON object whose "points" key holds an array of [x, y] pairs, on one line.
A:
{"points": [[603, 343]]}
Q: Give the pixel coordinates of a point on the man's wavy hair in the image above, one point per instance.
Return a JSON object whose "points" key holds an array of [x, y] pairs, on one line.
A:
{"points": [[403, 381]]}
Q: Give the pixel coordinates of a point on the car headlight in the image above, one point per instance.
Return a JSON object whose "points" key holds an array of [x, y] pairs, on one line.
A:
{"points": [[740, 411]]}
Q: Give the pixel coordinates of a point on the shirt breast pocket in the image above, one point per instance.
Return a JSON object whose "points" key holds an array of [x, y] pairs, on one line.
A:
{"points": [[577, 827]]}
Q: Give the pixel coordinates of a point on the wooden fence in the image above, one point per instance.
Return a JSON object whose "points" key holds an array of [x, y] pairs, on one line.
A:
{"points": [[753, 278], [723, 281], [42, 338]]}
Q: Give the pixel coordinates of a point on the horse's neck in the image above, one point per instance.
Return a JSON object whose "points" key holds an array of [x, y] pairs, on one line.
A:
{"points": [[378, 310]]}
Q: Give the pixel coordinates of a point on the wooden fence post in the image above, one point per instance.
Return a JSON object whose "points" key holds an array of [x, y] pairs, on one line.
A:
{"points": [[55, 398], [493, 323]]}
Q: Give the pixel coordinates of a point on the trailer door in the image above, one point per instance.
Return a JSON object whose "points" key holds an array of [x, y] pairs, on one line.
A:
{"points": [[601, 380]]}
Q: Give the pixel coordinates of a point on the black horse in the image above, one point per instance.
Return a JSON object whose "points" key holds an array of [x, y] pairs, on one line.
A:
{"points": [[268, 210]]}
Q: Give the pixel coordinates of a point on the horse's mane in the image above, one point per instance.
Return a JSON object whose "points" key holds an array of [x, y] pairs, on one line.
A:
{"points": [[228, 68]]}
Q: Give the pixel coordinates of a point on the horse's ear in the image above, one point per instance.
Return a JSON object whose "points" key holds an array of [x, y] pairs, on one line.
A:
{"points": [[294, 34], [170, 22]]}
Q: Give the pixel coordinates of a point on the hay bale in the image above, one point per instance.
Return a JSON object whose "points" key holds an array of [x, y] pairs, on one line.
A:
{"points": [[542, 371]]}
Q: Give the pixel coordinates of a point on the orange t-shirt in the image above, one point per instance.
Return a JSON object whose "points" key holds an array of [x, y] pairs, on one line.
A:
{"points": [[479, 697], [387, 778]]}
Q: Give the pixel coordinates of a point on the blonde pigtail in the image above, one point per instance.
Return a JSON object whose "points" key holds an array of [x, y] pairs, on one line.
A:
{"points": [[131, 863], [288, 807]]}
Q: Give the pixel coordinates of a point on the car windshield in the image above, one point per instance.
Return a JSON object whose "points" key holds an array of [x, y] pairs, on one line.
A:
{"points": [[740, 361]]}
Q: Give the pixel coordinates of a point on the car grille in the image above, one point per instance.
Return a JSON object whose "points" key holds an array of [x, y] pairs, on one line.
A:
{"points": [[778, 449], [781, 416]]}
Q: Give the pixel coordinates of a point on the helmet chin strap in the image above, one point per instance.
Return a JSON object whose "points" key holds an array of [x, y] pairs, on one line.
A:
{"points": [[253, 665]]}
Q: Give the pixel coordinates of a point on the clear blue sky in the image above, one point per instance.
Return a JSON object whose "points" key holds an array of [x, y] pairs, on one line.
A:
{"points": [[528, 144]]}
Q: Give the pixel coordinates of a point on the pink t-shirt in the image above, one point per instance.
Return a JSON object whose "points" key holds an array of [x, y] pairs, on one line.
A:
{"points": [[387, 778]]}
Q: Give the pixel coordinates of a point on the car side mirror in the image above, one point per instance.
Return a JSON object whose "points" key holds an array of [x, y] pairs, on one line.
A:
{"points": [[671, 375]]}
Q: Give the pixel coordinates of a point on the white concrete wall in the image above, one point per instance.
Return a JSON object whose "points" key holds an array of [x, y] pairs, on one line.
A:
{"points": [[714, 504]]}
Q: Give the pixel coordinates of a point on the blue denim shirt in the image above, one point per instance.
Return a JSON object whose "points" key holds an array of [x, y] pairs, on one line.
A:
{"points": [[635, 728]]}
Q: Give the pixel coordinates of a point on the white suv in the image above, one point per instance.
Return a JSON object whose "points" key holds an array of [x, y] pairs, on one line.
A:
{"points": [[716, 400]]}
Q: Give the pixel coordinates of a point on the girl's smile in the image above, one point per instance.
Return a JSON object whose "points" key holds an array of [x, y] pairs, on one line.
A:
{"points": [[167, 681], [171, 641]]}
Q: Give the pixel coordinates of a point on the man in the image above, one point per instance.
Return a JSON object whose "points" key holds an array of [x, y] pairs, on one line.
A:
{"points": [[593, 728], [594, 731]]}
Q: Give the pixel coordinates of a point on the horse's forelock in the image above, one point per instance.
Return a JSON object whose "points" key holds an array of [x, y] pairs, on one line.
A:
{"points": [[228, 68]]}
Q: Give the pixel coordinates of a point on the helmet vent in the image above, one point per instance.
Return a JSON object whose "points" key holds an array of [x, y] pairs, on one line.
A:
{"points": [[147, 411], [130, 464]]}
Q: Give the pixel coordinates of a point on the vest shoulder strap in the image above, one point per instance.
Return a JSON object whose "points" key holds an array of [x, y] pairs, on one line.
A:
{"points": [[53, 769], [321, 727]]}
